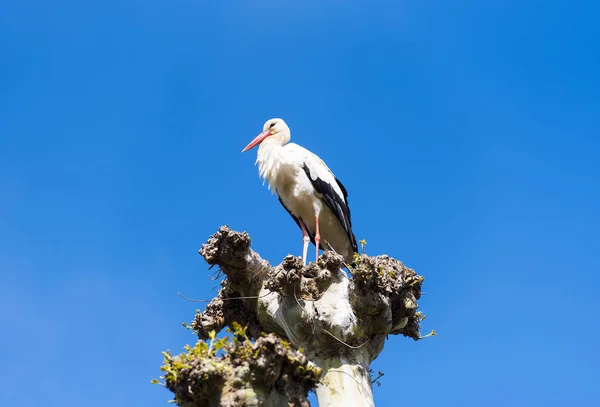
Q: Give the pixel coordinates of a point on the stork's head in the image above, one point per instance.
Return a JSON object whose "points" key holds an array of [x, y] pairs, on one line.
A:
{"points": [[275, 128]]}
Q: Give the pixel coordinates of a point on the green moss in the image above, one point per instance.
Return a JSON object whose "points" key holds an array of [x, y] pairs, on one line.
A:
{"points": [[229, 365]]}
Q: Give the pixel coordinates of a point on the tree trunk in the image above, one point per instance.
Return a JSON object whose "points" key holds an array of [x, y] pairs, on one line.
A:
{"points": [[344, 383]]}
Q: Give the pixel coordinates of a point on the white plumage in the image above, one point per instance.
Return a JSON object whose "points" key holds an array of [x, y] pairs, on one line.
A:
{"points": [[307, 189]]}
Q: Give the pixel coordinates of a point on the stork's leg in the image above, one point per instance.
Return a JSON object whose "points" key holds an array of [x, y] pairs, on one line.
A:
{"points": [[317, 236], [306, 240]]}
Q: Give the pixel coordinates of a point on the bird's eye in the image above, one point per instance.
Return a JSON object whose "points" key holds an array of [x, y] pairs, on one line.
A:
{"points": [[271, 126]]}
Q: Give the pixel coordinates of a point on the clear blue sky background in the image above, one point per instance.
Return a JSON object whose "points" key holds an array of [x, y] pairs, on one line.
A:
{"points": [[466, 133]]}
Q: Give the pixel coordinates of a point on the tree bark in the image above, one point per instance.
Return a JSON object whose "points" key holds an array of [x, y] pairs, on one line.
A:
{"points": [[339, 323], [345, 382]]}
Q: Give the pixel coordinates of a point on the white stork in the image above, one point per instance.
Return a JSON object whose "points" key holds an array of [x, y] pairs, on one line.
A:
{"points": [[307, 189]]}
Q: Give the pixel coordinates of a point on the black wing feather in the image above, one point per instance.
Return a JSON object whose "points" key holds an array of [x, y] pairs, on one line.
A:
{"points": [[336, 203]]}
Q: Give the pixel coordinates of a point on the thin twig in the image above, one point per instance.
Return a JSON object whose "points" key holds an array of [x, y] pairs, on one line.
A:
{"points": [[217, 276], [379, 376], [225, 299], [344, 343]]}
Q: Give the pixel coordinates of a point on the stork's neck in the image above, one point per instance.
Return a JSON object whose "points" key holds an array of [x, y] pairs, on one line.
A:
{"points": [[271, 156], [279, 139], [271, 146]]}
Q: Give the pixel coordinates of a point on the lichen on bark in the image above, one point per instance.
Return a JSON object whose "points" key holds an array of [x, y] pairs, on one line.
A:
{"points": [[237, 373]]}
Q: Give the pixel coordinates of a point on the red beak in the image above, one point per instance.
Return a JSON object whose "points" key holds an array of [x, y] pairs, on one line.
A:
{"points": [[257, 140]]}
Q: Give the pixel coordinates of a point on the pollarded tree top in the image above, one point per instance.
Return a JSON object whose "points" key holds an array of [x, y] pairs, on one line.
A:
{"points": [[381, 293], [338, 323]]}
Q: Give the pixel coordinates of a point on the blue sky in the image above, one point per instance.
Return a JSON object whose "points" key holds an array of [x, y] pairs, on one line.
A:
{"points": [[466, 133]]}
